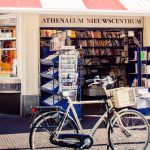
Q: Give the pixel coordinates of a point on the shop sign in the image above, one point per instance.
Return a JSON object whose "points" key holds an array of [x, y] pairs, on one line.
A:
{"points": [[91, 21]]}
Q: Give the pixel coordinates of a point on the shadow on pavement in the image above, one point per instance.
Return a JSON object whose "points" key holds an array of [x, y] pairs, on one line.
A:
{"points": [[14, 124]]}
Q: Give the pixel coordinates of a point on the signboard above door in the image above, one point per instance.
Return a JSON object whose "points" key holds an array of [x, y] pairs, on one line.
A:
{"points": [[91, 21]]}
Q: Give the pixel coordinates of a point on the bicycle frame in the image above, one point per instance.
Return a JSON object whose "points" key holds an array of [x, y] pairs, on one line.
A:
{"points": [[71, 107]]}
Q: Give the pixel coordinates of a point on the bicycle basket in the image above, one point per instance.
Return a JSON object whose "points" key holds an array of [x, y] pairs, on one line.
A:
{"points": [[122, 97]]}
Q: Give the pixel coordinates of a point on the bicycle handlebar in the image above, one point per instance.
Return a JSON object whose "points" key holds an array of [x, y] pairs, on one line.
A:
{"points": [[105, 81]]}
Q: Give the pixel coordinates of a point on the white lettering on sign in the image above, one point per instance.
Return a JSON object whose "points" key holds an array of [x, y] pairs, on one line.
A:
{"points": [[90, 21]]}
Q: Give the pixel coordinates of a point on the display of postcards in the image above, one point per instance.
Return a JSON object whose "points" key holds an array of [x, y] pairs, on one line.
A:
{"points": [[69, 75], [68, 66], [68, 82], [70, 71], [72, 93], [69, 61], [69, 53], [66, 88], [67, 70], [69, 79], [73, 52], [68, 56]]}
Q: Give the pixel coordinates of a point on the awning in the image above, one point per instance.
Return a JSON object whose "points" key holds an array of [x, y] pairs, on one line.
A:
{"points": [[84, 7]]}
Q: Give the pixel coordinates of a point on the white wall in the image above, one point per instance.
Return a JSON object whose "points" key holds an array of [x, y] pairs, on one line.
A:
{"points": [[28, 41], [146, 32]]}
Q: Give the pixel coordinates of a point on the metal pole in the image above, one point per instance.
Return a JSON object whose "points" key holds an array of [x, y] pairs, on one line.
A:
{"points": [[139, 76]]}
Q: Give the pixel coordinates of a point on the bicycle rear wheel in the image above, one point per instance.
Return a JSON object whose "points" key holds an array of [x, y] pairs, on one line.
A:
{"points": [[42, 131], [137, 127]]}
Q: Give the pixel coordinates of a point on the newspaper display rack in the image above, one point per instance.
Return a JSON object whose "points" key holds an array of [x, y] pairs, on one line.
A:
{"points": [[68, 70]]}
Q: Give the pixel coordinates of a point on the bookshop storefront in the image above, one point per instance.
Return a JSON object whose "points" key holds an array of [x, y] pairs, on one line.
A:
{"points": [[105, 44], [106, 37], [103, 34]]}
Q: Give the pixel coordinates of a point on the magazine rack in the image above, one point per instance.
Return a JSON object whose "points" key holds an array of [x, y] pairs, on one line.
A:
{"points": [[69, 76], [60, 72], [49, 76], [68, 70]]}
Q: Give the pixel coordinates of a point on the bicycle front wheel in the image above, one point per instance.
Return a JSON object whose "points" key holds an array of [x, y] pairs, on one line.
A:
{"points": [[42, 131], [137, 135]]}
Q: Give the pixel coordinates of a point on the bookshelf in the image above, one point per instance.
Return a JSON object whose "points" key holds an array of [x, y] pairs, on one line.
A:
{"points": [[102, 53], [135, 78], [145, 68]]}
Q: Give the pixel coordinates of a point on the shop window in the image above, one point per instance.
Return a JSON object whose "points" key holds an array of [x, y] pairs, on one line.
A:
{"points": [[8, 50]]}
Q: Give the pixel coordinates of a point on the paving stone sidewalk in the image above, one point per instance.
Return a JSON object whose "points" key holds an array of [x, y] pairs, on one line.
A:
{"points": [[14, 134]]}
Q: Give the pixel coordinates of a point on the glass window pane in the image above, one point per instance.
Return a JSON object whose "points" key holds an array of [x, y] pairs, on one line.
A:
{"points": [[8, 51]]}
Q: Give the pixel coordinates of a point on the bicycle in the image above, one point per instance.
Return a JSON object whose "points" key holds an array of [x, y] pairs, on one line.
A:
{"points": [[127, 129]]}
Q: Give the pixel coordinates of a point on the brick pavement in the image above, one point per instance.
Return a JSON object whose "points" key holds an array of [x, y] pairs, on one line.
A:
{"points": [[14, 134]]}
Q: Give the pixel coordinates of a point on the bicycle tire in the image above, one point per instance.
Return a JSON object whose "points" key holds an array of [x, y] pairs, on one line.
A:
{"points": [[42, 130], [137, 126]]}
